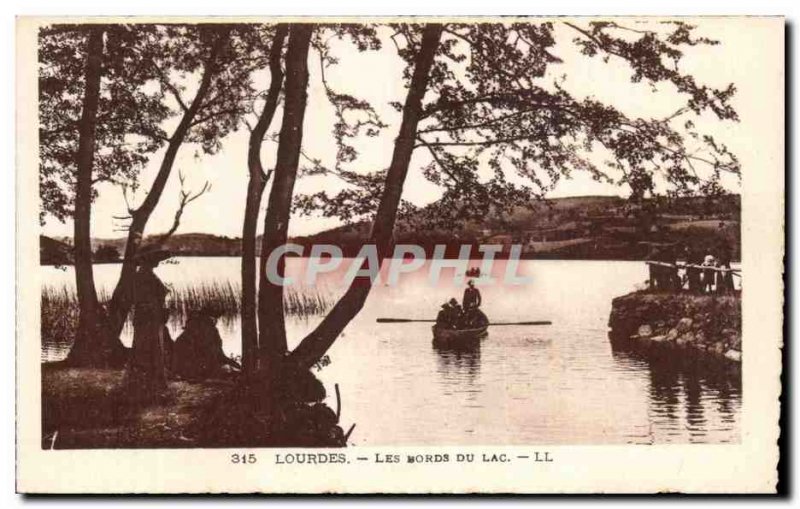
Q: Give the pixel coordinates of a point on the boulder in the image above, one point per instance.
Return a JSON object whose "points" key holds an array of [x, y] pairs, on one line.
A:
{"points": [[684, 325], [672, 335]]}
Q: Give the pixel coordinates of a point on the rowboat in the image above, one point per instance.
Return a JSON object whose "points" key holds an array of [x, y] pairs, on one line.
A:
{"points": [[447, 336]]}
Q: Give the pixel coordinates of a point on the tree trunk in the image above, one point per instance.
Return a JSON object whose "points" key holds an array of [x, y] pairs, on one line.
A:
{"points": [[272, 340], [255, 190], [121, 300], [314, 346], [93, 345]]}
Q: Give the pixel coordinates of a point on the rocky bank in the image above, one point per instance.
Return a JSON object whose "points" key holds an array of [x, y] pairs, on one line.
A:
{"points": [[710, 324]]}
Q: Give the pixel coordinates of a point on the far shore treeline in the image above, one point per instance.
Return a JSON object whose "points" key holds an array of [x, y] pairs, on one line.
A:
{"points": [[574, 228]]}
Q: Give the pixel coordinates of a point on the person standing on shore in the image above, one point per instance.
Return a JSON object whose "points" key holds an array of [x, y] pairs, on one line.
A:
{"points": [[725, 279], [709, 274], [146, 377], [693, 274], [672, 280]]}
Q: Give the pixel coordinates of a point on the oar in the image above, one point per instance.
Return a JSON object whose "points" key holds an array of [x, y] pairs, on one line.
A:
{"points": [[540, 322], [401, 320], [408, 320]]}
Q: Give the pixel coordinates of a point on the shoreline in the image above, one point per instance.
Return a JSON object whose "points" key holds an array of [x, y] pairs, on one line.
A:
{"points": [[690, 324], [498, 258]]}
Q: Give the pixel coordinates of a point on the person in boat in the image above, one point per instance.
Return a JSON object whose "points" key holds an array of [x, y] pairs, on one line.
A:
{"points": [[472, 297], [472, 302], [457, 316], [474, 272], [444, 316], [198, 353], [146, 377], [450, 316]]}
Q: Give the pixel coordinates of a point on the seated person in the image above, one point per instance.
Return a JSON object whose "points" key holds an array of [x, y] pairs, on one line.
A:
{"points": [[197, 353], [443, 318], [450, 316], [456, 314]]}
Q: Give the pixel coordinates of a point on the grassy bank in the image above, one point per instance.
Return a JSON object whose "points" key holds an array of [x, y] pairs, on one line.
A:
{"points": [[88, 408], [85, 408]]}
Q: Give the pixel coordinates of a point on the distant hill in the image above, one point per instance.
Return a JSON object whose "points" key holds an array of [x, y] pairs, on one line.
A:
{"points": [[188, 244], [59, 251], [584, 227]]}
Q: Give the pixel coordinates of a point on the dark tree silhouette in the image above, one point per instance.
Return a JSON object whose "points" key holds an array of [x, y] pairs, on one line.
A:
{"points": [[89, 133], [90, 330], [314, 346], [258, 179], [276, 222], [271, 323]]}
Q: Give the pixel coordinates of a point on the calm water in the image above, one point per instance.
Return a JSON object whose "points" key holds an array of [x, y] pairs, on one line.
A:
{"points": [[559, 384]]}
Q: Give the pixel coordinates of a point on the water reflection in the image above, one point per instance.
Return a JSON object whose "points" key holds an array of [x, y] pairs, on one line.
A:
{"points": [[459, 362], [690, 394]]}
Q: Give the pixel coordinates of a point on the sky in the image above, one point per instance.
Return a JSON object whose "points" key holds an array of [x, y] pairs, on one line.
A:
{"points": [[376, 77]]}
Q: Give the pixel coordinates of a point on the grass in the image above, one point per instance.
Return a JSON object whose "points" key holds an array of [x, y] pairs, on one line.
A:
{"points": [[87, 408], [60, 306]]}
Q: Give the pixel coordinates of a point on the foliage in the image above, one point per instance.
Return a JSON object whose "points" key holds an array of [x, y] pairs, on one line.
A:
{"points": [[149, 75], [106, 253], [496, 102], [129, 114]]}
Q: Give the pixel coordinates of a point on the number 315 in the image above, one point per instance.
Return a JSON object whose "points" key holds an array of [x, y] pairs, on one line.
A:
{"points": [[243, 459]]}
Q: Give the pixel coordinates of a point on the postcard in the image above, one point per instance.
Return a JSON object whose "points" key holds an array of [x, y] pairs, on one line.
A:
{"points": [[399, 255]]}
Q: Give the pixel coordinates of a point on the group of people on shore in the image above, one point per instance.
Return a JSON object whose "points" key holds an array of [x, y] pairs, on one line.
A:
{"points": [[702, 271], [196, 354], [465, 315]]}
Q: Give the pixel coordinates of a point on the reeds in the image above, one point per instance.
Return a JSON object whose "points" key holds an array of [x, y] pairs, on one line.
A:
{"points": [[60, 305], [59, 318], [224, 299]]}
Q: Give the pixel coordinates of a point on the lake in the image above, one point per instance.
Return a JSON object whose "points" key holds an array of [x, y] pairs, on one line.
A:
{"points": [[557, 384]]}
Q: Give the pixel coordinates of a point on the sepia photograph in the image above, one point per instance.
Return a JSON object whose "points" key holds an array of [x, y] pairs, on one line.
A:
{"points": [[431, 243]]}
